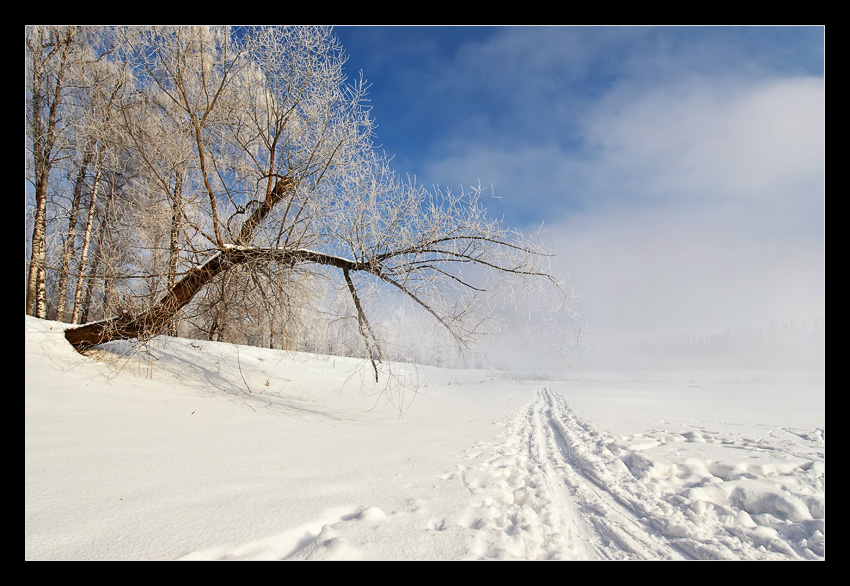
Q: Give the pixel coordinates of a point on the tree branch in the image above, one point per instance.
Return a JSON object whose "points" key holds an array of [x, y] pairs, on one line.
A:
{"points": [[363, 324], [150, 322]]}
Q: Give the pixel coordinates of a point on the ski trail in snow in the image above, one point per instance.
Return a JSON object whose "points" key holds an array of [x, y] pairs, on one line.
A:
{"points": [[541, 495], [554, 489], [636, 524], [619, 530]]}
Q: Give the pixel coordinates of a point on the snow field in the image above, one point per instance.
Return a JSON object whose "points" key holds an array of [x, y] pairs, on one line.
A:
{"points": [[169, 456], [556, 488]]}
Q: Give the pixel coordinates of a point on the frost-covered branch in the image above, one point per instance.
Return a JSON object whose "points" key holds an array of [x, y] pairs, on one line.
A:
{"points": [[257, 155]]}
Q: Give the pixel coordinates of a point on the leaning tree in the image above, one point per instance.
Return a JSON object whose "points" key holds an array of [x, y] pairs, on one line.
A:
{"points": [[272, 150]]}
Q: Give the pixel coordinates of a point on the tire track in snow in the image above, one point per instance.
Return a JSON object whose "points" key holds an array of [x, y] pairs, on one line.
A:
{"points": [[553, 490]]}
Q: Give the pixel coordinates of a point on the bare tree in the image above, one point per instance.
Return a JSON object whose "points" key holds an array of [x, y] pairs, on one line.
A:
{"points": [[92, 89], [280, 171], [48, 53], [71, 233]]}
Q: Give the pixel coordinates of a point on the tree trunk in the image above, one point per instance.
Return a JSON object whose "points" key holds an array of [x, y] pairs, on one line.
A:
{"points": [[44, 141], [41, 158], [174, 243], [151, 321], [36, 294], [71, 236], [87, 234], [87, 297], [98, 253]]}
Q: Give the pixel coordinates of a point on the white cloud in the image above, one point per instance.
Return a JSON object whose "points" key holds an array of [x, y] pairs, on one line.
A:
{"points": [[710, 212], [692, 208], [659, 272], [762, 141], [680, 171]]}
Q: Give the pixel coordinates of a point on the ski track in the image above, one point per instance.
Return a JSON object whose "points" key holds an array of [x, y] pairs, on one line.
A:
{"points": [[558, 489], [553, 487]]}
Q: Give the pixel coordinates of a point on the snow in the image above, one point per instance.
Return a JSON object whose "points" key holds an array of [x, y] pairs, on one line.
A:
{"points": [[207, 451]]}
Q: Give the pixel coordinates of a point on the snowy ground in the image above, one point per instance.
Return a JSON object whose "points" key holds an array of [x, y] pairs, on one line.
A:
{"points": [[204, 451]]}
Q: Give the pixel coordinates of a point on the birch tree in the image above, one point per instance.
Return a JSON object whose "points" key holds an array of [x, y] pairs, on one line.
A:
{"points": [[49, 50], [282, 182]]}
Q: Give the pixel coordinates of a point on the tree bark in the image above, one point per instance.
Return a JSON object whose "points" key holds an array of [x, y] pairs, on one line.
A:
{"points": [[174, 242], [150, 322]]}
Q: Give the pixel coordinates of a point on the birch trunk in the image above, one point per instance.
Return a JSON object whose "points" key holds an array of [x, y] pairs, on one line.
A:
{"points": [[87, 234], [174, 244], [44, 140], [71, 236]]}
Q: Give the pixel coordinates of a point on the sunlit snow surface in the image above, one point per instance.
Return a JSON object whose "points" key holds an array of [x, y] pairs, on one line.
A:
{"points": [[201, 450]]}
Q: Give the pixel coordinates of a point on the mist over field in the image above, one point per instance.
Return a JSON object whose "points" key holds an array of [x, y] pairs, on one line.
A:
{"points": [[677, 173]]}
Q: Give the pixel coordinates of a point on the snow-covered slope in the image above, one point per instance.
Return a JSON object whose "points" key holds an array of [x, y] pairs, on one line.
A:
{"points": [[200, 450]]}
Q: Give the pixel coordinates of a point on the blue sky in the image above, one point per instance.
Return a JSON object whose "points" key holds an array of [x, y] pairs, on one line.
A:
{"points": [[678, 171]]}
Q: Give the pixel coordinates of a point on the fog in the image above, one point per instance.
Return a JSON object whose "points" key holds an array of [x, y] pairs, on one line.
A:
{"points": [[692, 226], [678, 174]]}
